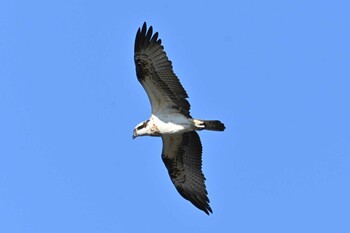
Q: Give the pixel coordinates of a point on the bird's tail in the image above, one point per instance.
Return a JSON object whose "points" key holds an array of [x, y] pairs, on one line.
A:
{"points": [[214, 125]]}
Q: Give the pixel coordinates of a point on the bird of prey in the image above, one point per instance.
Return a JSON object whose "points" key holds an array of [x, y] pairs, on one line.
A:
{"points": [[171, 120]]}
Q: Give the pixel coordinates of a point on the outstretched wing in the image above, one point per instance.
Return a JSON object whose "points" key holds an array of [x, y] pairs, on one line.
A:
{"points": [[155, 73], [182, 156]]}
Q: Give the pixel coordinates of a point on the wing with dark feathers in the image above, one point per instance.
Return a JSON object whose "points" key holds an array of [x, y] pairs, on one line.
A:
{"points": [[155, 73], [182, 156]]}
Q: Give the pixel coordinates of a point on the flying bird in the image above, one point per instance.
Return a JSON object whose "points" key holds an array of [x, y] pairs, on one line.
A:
{"points": [[171, 120]]}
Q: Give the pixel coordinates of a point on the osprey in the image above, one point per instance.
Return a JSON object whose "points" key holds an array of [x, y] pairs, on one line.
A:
{"points": [[171, 120]]}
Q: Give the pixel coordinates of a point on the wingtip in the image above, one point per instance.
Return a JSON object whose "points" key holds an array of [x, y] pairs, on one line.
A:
{"points": [[145, 37], [206, 209], [209, 211], [144, 27]]}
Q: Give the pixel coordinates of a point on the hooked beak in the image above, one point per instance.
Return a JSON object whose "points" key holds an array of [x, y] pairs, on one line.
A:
{"points": [[134, 135]]}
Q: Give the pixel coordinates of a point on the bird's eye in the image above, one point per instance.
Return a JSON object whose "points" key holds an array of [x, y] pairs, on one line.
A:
{"points": [[140, 127]]}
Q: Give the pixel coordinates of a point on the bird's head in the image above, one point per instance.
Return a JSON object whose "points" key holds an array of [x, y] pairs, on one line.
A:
{"points": [[141, 129]]}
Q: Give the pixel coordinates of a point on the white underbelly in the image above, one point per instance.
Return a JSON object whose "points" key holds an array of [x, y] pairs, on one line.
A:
{"points": [[172, 124]]}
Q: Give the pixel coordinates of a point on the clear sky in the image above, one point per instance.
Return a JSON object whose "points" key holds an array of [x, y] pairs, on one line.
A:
{"points": [[277, 73]]}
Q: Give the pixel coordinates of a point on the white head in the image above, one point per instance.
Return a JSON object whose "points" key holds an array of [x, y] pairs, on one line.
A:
{"points": [[141, 129]]}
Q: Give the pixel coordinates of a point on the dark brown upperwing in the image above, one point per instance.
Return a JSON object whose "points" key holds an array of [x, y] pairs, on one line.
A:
{"points": [[155, 72], [182, 156]]}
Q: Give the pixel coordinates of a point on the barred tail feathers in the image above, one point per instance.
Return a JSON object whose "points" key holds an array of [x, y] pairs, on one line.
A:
{"points": [[214, 125]]}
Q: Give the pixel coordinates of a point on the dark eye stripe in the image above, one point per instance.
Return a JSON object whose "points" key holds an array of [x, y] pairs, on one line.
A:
{"points": [[143, 125]]}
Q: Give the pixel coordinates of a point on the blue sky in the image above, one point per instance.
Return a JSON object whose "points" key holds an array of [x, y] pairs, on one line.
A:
{"points": [[275, 72]]}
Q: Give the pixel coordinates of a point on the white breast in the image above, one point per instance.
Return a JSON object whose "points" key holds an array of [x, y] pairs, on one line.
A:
{"points": [[171, 124]]}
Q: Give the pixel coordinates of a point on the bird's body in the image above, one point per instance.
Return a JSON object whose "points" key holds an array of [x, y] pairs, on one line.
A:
{"points": [[162, 124], [171, 119], [171, 124]]}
